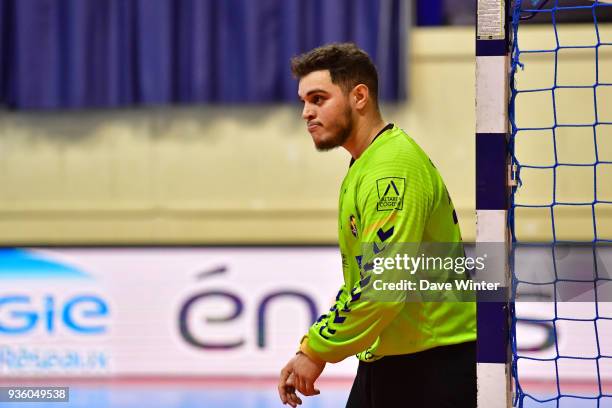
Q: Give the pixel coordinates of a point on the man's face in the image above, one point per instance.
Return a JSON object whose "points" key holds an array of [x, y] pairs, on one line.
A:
{"points": [[327, 111]]}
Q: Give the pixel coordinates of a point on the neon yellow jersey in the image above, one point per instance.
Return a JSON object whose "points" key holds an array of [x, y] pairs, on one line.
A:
{"points": [[392, 194]]}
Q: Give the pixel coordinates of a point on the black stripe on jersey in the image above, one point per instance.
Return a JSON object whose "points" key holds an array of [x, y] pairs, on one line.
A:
{"points": [[383, 130]]}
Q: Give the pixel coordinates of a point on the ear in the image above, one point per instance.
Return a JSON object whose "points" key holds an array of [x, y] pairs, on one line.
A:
{"points": [[360, 96]]}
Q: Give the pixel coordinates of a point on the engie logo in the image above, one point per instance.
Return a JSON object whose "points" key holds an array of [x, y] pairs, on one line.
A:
{"points": [[210, 318], [21, 314], [227, 307], [24, 312]]}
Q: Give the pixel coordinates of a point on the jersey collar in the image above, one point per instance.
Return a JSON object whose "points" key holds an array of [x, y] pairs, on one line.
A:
{"points": [[383, 130]]}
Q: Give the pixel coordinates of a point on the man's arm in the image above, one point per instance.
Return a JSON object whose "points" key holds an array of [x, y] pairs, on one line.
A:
{"points": [[355, 321]]}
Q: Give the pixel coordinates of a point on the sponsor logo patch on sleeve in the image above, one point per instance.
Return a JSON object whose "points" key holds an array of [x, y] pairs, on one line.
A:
{"points": [[390, 193]]}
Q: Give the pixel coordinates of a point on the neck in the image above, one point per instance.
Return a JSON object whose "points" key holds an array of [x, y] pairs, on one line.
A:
{"points": [[364, 131]]}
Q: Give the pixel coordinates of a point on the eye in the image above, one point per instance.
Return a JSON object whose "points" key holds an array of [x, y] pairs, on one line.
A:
{"points": [[317, 99]]}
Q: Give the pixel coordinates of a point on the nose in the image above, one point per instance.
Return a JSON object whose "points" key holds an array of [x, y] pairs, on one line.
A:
{"points": [[308, 112]]}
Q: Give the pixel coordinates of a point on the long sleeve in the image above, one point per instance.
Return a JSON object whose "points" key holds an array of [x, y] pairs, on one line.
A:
{"points": [[391, 207]]}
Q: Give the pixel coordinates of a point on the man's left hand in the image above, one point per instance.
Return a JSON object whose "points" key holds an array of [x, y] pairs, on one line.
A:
{"points": [[305, 372]]}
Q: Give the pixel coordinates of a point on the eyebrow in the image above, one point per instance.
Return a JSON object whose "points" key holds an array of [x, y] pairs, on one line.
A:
{"points": [[317, 90]]}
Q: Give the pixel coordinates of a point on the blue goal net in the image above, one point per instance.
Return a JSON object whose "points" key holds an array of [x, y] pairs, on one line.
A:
{"points": [[560, 215]]}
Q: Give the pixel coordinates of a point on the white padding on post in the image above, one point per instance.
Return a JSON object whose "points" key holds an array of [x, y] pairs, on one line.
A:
{"points": [[491, 228], [493, 386], [491, 225], [491, 94]]}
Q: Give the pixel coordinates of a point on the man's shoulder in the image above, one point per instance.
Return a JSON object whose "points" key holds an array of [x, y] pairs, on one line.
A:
{"points": [[395, 151]]}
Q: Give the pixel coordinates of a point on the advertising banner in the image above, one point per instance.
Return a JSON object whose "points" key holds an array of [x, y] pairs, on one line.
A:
{"points": [[213, 311]]}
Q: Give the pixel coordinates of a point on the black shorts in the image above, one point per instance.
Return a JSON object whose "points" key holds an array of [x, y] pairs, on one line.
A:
{"points": [[442, 377]]}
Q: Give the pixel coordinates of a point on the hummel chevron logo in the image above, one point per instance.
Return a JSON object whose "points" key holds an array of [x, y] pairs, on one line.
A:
{"points": [[364, 282], [338, 319], [358, 259], [384, 235]]}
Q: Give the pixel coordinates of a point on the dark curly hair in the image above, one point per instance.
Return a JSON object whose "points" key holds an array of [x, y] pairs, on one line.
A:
{"points": [[348, 66]]}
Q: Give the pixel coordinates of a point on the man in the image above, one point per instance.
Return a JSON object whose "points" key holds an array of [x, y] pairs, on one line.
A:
{"points": [[413, 354]]}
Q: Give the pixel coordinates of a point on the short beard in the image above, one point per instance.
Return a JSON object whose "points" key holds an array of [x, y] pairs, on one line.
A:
{"points": [[341, 137]]}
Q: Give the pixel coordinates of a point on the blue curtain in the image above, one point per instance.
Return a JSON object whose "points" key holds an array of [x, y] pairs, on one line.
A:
{"points": [[110, 53], [431, 12]]}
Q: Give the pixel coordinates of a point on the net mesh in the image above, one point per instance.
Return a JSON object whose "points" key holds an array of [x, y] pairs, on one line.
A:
{"points": [[561, 211]]}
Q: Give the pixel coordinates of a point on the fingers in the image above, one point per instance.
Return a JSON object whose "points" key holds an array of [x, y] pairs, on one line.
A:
{"points": [[309, 388], [282, 393], [289, 393], [305, 386], [290, 381], [282, 388], [294, 400], [290, 397]]}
